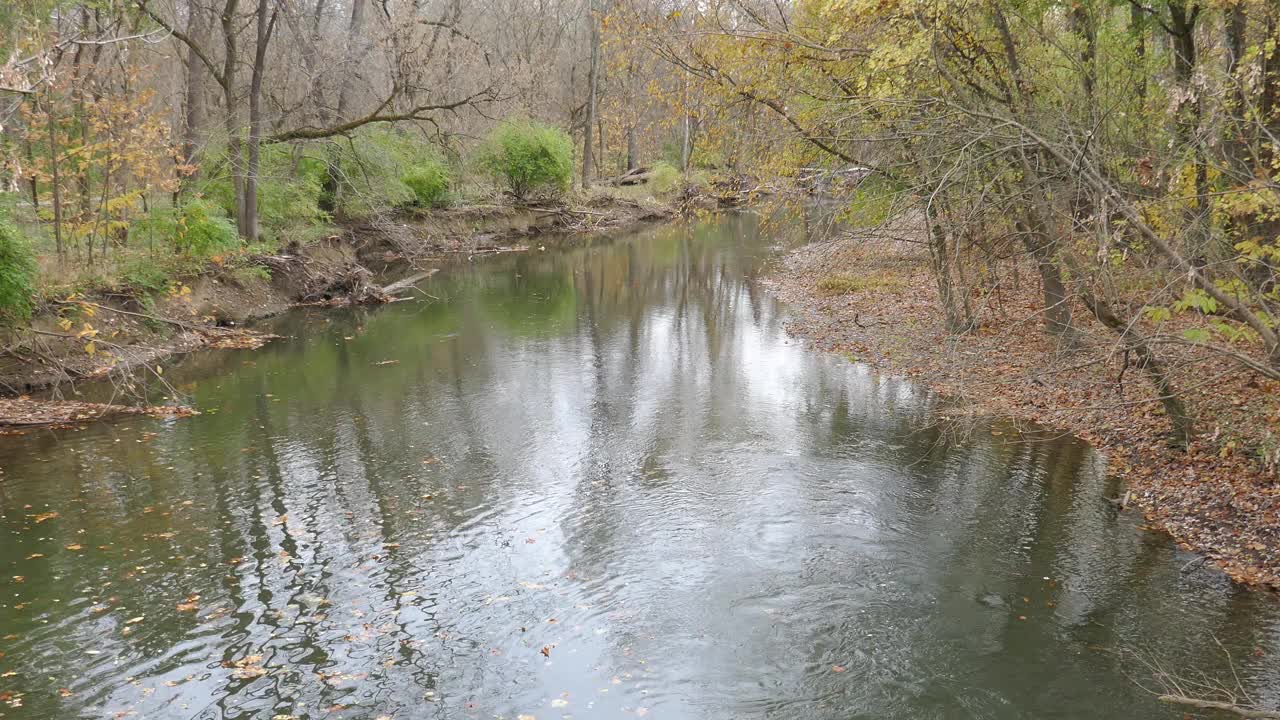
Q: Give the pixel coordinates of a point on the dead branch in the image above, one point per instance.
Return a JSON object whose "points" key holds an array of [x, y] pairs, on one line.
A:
{"points": [[1245, 712]]}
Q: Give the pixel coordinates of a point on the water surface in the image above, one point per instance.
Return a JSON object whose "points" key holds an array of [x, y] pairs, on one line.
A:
{"points": [[597, 482]]}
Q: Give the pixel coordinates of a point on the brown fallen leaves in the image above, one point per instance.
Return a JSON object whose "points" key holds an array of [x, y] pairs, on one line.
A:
{"points": [[247, 668], [28, 412]]}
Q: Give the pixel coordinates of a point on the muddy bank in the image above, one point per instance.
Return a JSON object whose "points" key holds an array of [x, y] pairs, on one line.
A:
{"points": [[878, 304], [113, 334]]}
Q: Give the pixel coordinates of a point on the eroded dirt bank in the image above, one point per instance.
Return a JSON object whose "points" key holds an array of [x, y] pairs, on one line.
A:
{"points": [[878, 304], [112, 333]]}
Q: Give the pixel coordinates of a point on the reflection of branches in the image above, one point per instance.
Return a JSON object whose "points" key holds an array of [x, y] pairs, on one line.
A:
{"points": [[1202, 691]]}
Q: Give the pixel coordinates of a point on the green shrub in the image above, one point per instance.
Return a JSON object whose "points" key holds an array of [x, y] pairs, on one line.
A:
{"points": [[429, 180], [202, 229], [17, 275], [248, 274], [529, 157], [378, 169], [666, 178], [370, 169], [146, 275], [290, 182]]}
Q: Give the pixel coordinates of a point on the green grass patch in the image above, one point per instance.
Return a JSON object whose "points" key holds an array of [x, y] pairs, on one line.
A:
{"points": [[848, 283]]}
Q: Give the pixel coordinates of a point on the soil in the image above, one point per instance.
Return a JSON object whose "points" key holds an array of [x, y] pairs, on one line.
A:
{"points": [[113, 333], [1220, 496]]}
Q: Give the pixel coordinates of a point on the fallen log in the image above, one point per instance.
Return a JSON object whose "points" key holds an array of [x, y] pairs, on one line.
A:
{"points": [[638, 176], [409, 282]]}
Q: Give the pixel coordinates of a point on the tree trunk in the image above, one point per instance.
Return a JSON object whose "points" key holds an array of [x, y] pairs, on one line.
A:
{"points": [[686, 131], [632, 161], [196, 72], [600, 154], [56, 185], [1082, 25], [588, 160], [78, 93], [1057, 308], [1180, 420], [940, 256], [346, 91], [1138, 27], [35, 182], [235, 148], [1269, 105], [265, 25], [1042, 247], [1182, 28]]}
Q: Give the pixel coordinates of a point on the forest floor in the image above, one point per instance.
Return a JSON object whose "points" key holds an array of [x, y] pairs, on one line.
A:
{"points": [[876, 302], [114, 332]]}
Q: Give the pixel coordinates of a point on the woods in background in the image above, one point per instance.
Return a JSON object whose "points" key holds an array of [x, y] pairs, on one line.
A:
{"points": [[141, 122]]}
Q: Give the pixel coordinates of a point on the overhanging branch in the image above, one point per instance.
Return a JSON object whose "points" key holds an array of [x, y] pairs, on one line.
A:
{"points": [[421, 112]]}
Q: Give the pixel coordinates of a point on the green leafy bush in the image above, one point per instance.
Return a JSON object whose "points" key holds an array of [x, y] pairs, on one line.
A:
{"points": [[147, 275], [290, 182], [666, 178], [202, 229], [17, 275], [384, 168], [248, 274], [429, 180], [370, 169], [529, 157]]}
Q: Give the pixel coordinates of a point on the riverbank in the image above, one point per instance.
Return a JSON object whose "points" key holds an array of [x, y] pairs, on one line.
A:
{"points": [[112, 333], [877, 303]]}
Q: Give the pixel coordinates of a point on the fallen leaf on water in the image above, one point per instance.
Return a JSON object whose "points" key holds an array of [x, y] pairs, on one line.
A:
{"points": [[546, 650], [135, 621], [64, 692], [837, 668], [75, 547], [246, 669], [44, 516]]}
